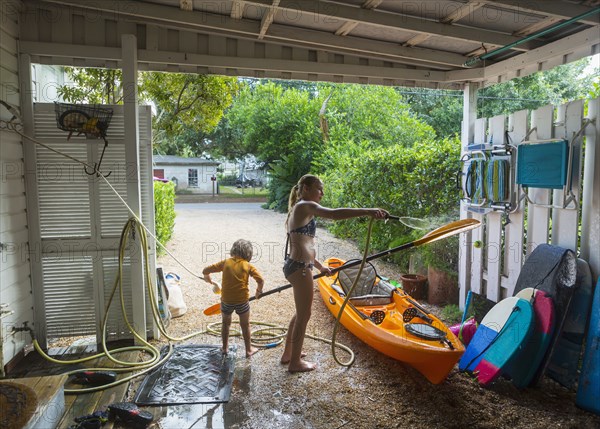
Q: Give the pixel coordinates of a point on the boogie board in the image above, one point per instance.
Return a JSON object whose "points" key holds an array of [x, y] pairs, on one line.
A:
{"points": [[523, 369], [500, 337], [553, 270], [564, 362], [588, 393]]}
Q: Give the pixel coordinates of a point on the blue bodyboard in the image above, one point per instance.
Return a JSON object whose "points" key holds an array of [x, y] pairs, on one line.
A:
{"points": [[588, 392]]}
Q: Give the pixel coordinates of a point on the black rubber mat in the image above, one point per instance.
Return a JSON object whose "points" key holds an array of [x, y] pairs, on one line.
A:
{"points": [[194, 374]]}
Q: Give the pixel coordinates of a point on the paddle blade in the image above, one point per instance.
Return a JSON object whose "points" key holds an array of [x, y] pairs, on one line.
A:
{"points": [[213, 310]]}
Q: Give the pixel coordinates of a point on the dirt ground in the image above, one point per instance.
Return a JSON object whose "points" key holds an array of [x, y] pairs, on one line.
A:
{"points": [[376, 392]]}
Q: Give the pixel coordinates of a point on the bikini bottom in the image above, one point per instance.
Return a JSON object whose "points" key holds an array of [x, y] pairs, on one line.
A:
{"points": [[290, 266]]}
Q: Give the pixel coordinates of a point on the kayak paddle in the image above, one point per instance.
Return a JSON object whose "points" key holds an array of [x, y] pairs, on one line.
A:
{"points": [[450, 229]]}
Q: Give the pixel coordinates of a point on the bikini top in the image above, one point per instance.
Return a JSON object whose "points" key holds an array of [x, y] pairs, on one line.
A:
{"points": [[309, 229]]}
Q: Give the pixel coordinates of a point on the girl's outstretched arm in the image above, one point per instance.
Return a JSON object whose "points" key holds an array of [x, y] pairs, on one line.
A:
{"points": [[346, 213]]}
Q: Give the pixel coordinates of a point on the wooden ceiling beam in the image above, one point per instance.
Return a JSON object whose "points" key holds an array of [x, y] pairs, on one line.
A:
{"points": [[278, 33], [186, 5], [348, 26], [237, 9], [393, 21], [464, 10], [371, 4], [56, 51], [267, 19], [451, 18], [530, 29]]}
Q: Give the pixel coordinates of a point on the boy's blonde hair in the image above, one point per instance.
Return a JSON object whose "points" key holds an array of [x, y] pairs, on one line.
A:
{"points": [[242, 249]]}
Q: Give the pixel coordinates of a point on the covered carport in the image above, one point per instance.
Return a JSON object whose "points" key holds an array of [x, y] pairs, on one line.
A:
{"points": [[433, 44]]}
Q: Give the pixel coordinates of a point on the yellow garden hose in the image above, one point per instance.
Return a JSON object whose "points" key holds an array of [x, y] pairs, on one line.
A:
{"points": [[350, 361]]}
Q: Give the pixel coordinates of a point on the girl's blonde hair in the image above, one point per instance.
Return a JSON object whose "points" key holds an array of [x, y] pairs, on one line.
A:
{"points": [[242, 249], [296, 192]]}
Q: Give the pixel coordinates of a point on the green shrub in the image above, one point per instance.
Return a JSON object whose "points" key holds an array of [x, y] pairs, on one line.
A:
{"points": [[451, 314], [164, 212], [285, 173], [228, 180], [442, 254], [417, 181]]}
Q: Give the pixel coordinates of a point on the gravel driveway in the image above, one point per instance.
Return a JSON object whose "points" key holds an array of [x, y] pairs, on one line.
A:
{"points": [[376, 392]]}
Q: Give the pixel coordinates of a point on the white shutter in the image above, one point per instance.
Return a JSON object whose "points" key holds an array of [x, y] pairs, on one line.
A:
{"points": [[68, 294], [81, 220], [63, 192], [112, 209]]}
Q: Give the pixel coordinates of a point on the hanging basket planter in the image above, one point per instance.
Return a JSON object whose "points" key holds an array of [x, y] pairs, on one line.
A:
{"points": [[91, 120]]}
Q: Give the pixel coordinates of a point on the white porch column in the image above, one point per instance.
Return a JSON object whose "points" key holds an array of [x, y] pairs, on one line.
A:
{"points": [[469, 113], [33, 220], [132, 159], [467, 137], [590, 211]]}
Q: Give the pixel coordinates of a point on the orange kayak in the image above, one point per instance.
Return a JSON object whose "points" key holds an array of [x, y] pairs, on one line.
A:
{"points": [[393, 323]]}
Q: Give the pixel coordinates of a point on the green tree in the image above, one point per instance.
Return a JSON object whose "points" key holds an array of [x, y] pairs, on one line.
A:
{"points": [[188, 106], [555, 86], [269, 121], [443, 109], [277, 124], [595, 87], [94, 86], [360, 118]]}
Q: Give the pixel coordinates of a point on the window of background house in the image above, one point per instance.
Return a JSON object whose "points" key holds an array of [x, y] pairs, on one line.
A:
{"points": [[193, 177]]}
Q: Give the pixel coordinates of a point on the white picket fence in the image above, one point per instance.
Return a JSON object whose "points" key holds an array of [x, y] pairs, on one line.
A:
{"points": [[492, 269]]}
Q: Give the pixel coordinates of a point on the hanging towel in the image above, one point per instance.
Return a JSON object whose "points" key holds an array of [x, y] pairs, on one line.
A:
{"points": [[479, 194], [497, 180]]}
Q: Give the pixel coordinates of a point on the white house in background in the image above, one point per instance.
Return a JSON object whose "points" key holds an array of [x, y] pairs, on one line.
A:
{"points": [[45, 80], [193, 174]]}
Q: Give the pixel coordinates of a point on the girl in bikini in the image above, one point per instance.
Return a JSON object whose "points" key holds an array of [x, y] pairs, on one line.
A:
{"points": [[301, 227]]}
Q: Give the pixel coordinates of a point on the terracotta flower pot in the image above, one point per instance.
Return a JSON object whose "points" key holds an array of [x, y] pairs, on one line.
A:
{"points": [[443, 288], [415, 285]]}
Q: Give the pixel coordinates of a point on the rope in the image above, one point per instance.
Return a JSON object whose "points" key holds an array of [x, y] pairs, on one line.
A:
{"points": [[350, 361]]}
